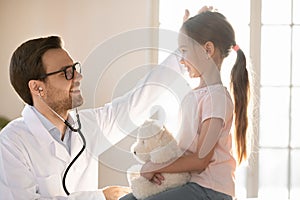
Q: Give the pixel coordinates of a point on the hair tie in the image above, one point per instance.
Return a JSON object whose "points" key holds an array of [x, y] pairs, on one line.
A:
{"points": [[236, 47]]}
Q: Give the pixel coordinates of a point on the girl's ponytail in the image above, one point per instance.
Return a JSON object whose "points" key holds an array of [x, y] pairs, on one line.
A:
{"points": [[240, 87]]}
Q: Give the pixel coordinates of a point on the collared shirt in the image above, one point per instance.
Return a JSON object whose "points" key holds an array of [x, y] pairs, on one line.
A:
{"points": [[54, 132]]}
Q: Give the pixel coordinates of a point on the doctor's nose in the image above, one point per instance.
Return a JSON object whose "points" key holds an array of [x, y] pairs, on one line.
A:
{"points": [[77, 76]]}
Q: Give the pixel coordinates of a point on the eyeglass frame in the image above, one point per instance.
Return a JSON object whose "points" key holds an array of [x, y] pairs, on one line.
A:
{"points": [[64, 69]]}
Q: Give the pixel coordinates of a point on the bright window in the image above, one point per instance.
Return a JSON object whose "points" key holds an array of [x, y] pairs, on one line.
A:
{"points": [[279, 131]]}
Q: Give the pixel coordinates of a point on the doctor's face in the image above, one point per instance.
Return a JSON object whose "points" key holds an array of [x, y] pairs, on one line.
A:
{"points": [[61, 94]]}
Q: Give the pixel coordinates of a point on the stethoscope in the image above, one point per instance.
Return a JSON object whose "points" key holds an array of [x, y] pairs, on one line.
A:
{"points": [[74, 130], [79, 153]]}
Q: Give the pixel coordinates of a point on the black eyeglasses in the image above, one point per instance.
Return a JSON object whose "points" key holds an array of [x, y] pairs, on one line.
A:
{"points": [[68, 70]]}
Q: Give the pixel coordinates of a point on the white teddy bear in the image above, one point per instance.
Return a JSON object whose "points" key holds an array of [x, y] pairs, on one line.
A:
{"points": [[156, 144]]}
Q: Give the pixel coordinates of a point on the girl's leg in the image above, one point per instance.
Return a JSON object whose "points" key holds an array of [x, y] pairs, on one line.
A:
{"points": [[190, 191], [128, 197]]}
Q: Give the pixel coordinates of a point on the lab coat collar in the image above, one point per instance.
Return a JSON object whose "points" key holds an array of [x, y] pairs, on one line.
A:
{"points": [[36, 127], [44, 139]]}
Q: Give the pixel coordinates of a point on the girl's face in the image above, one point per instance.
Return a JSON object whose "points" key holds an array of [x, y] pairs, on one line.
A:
{"points": [[194, 57], [193, 72]]}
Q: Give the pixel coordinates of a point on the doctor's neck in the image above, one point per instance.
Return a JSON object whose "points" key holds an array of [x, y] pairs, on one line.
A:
{"points": [[56, 118]]}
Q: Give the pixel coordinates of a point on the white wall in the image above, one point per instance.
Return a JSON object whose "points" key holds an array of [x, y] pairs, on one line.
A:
{"points": [[83, 25]]}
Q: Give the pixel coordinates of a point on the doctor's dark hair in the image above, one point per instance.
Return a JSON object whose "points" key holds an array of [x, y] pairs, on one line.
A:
{"points": [[26, 64], [214, 27]]}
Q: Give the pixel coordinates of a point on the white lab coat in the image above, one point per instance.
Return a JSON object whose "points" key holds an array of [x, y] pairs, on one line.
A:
{"points": [[32, 162]]}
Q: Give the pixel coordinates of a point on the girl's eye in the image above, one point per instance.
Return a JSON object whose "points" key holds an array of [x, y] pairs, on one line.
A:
{"points": [[183, 53]]}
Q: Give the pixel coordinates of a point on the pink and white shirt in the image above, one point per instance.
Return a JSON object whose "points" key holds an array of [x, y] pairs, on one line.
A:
{"points": [[201, 104]]}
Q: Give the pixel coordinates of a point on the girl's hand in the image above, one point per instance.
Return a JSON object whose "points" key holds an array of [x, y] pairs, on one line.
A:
{"points": [[156, 178], [148, 172]]}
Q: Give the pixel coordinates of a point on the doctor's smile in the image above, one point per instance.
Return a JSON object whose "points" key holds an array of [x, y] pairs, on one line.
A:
{"points": [[75, 88]]}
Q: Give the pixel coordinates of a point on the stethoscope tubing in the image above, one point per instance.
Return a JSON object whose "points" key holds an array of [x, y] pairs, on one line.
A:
{"points": [[79, 153]]}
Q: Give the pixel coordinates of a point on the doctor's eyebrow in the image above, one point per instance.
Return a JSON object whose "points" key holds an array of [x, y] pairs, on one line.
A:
{"points": [[64, 67]]}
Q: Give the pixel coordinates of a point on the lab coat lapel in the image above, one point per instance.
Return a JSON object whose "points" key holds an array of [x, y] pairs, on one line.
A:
{"points": [[43, 136], [61, 152]]}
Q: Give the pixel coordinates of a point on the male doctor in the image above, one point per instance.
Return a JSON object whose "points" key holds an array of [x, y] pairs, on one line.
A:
{"points": [[36, 148]]}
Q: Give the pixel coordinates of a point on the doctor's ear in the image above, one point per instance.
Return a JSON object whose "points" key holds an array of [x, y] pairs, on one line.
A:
{"points": [[35, 87]]}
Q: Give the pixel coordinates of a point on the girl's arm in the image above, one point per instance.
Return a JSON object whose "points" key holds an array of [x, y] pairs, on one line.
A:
{"points": [[195, 162]]}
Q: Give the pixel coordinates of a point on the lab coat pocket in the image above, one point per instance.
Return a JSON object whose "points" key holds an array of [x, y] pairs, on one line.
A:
{"points": [[49, 186]]}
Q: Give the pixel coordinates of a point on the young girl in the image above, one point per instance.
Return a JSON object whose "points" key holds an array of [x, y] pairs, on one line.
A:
{"points": [[207, 114]]}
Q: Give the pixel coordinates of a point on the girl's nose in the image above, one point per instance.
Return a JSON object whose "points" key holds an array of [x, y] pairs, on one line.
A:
{"points": [[182, 61]]}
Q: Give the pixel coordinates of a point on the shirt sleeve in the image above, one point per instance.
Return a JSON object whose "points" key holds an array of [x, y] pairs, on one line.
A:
{"points": [[216, 105]]}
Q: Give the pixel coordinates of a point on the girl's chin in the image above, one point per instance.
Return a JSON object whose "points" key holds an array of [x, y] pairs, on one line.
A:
{"points": [[192, 75]]}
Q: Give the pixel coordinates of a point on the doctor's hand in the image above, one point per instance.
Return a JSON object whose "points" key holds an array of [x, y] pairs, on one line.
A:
{"points": [[203, 9], [115, 192]]}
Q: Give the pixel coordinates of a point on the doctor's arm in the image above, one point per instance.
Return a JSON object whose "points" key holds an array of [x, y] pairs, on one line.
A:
{"points": [[150, 96]]}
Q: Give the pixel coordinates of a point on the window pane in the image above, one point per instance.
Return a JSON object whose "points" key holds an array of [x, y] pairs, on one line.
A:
{"points": [[241, 181], [274, 117], [172, 18], [296, 57], [296, 11], [295, 113], [273, 173], [276, 12], [295, 175], [275, 56]]}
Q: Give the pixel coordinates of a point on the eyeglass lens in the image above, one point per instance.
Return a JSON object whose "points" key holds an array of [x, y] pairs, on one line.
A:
{"points": [[69, 72]]}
